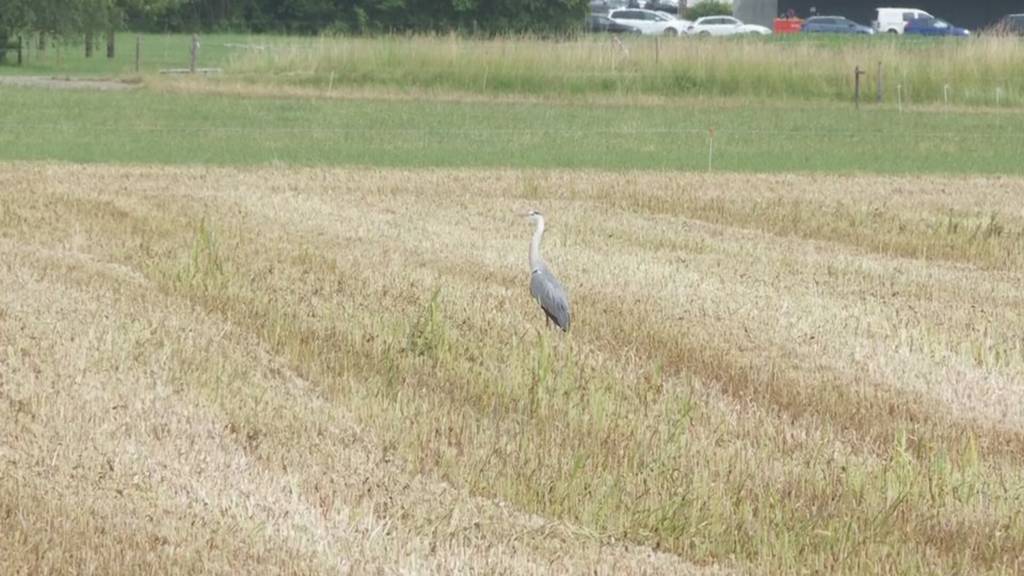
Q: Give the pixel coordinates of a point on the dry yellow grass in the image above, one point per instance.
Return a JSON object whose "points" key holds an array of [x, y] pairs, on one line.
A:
{"points": [[307, 370], [143, 434]]}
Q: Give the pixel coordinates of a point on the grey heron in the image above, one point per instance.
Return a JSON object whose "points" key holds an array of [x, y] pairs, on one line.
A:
{"points": [[544, 287]]}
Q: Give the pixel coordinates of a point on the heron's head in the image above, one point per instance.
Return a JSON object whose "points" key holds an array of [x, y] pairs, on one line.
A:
{"points": [[534, 215]]}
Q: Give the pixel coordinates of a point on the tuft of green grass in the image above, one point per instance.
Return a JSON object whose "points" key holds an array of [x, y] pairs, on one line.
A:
{"points": [[428, 336], [204, 268]]}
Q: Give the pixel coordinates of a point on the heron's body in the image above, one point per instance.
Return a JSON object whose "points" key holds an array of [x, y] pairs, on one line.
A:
{"points": [[544, 287]]}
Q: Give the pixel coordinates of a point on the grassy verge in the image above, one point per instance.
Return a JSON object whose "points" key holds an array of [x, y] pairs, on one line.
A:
{"points": [[975, 71], [153, 127], [801, 68]]}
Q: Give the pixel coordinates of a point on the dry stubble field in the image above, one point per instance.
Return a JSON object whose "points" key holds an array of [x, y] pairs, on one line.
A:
{"points": [[307, 370]]}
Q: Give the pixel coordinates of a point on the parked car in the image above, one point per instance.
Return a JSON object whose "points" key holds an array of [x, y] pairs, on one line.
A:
{"points": [[834, 25], [602, 23], [650, 22], [934, 27], [893, 20], [723, 26], [1009, 25]]}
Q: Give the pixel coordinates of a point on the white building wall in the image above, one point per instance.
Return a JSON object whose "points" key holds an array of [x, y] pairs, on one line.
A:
{"points": [[761, 12]]}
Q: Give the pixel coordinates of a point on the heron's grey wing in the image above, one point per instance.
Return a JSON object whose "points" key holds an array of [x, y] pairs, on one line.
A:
{"points": [[551, 296]]}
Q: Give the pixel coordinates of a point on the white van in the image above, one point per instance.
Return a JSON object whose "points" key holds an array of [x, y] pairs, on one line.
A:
{"points": [[893, 20]]}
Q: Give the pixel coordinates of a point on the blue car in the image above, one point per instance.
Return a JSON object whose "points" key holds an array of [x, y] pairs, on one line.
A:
{"points": [[934, 27], [834, 25]]}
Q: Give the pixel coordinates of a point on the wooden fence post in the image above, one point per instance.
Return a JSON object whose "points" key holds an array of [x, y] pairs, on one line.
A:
{"points": [[878, 95], [138, 52], [857, 73], [195, 53]]}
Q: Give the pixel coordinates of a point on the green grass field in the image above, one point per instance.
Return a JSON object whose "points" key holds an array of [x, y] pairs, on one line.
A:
{"points": [[146, 126]]}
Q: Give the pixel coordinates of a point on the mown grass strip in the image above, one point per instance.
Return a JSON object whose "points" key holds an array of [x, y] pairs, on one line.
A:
{"points": [[151, 127]]}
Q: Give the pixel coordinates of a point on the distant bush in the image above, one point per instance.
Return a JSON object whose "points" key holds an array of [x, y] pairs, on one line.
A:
{"points": [[709, 8]]}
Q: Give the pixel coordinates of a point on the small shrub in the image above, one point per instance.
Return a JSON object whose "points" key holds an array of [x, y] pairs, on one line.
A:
{"points": [[709, 8]]}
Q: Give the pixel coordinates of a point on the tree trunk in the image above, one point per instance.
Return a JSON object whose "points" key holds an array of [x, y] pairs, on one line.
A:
{"points": [[110, 42], [3, 47], [42, 42], [88, 44]]}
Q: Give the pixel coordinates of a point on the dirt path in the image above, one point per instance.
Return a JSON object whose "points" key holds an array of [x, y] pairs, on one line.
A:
{"points": [[66, 83]]}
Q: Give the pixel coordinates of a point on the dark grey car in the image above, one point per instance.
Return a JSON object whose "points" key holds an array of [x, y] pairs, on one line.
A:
{"points": [[834, 25], [602, 23]]}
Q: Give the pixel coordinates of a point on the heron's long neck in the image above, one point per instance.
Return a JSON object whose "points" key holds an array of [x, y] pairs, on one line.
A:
{"points": [[535, 261]]}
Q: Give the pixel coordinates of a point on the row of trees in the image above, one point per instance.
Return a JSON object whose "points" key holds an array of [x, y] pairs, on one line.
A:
{"points": [[368, 16], [68, 18], [92, 18]]}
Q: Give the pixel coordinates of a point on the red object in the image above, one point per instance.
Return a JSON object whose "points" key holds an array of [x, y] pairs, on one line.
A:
{"points": [[787, 25]]}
